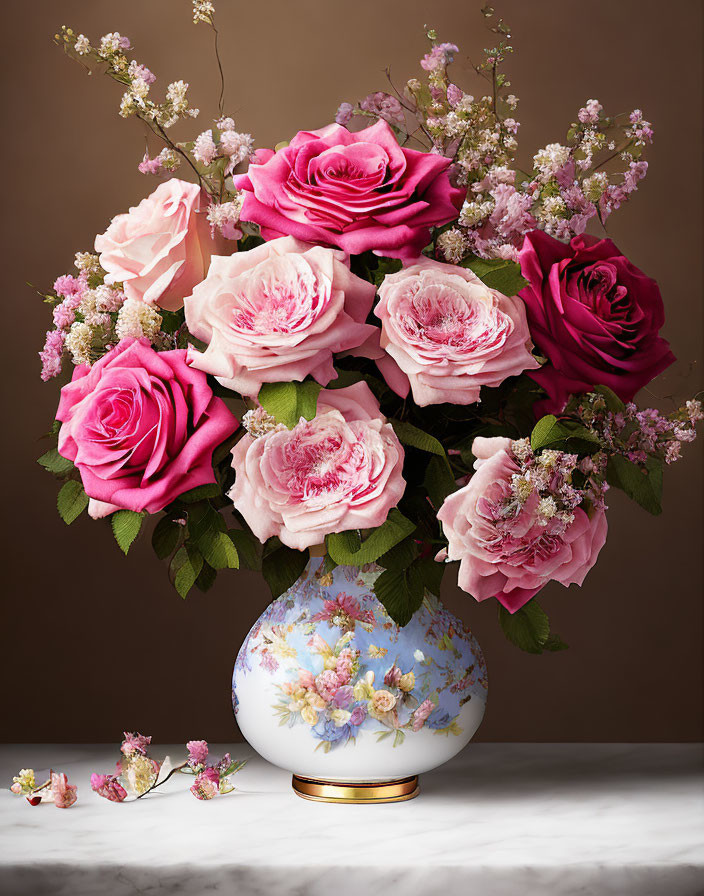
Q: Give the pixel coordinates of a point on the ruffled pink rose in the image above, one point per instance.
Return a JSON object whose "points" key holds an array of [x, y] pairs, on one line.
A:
{"points": [[512, 557], [141, 427], [161, 248], [276, 313], [594, 315], [339, 471], [356, 191], [449, 333]]}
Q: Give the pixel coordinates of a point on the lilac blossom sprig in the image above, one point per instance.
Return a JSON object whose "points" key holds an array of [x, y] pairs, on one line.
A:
{"points": [[640, 434], [90, 317]]}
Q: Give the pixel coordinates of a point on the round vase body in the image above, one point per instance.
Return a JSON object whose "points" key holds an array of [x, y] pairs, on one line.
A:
{"points": [[327, 686]]}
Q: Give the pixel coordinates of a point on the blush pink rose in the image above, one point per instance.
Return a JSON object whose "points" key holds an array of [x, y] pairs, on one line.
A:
{"points": [[161, 248], [449, 333], [356, 191], [512, 558], [342, 470], [141, 427], [594, 315], [277, 313]]}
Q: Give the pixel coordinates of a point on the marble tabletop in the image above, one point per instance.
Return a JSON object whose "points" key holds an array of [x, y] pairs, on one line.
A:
{"points": [[499, 820]]}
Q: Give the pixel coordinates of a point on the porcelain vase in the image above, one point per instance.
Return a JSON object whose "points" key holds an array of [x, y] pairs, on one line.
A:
{"points": [[327, 686]]}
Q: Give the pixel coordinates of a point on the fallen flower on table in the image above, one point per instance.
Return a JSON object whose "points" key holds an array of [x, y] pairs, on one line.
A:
{"points": [[138, 774], [55, 789], [108, 786]]}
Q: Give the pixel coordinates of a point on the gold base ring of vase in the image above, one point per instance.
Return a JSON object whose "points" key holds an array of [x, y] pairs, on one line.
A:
{"points": [[358, 792]]}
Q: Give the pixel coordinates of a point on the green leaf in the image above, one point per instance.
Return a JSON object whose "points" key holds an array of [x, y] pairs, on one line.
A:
{"points": [[613, 402], [125, 527], [417, 438], [554, 643], [206, 578], [282, 567], [248, 548], [200, 493], [288, 402], [439, 480], [401, 556], [219, 550], [185, 568], [55, 463], [642, 483], [342, 548], [527, 628], [71, 501], [401, 592], [432, 572], [564, 435], [165, 537], [500, 274], [386, 266]]}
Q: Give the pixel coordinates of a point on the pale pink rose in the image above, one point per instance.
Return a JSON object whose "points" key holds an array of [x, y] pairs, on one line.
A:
{"points": [[512, 558], [342, 470], [141, 427], [63, 793], [276, 313], [327, 684], [449, 333], [161, 248], [357, 191]]}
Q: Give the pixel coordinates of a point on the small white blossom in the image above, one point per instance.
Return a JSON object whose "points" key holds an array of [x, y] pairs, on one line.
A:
{"points": [[82, 45], [551, 158], [86, 261], [203, 11], [78, 342], [204, 148], [453, 245], [237, 146], [137, 319], [259, 423]]}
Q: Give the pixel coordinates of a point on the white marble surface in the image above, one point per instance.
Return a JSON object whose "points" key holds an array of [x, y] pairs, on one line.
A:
{"points": [[499, 820]]}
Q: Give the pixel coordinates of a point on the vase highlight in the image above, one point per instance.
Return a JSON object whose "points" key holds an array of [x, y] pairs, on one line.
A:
{"points": [[327, 686]]}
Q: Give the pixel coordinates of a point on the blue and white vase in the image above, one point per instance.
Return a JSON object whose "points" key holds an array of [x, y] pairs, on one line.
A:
{"points": [[327, 686]]}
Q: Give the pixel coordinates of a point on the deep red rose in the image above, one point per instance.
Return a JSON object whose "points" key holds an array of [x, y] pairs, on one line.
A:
{"points": [[594, 315]]}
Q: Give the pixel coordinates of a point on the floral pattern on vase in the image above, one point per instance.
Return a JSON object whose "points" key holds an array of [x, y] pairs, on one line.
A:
{"points": [[340, 666]]}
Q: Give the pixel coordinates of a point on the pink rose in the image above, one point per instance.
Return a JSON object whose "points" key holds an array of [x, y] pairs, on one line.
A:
{"points": [[161, 248], [141, 427], [594, 315], [342, 470], [449, 333], [511, 557], [277, 312], [356, 191]]}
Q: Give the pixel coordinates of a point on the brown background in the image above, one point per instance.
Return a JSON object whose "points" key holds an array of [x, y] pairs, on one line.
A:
{"points": [[94, 643]]}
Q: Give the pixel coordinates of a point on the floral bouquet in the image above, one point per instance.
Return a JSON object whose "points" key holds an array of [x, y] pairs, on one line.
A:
{"points": [[381, 339]]}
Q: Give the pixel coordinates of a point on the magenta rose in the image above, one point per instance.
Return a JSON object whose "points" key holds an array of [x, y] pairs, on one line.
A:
{"points": [[356, 191], [141, 427], [161, 248], [342, 470], [449, 333], [277, 313], [594, 315], [510, 552]]}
